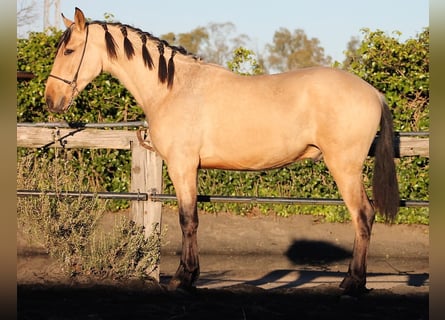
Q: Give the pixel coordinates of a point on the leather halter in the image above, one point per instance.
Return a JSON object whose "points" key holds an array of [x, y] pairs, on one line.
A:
{"points": [[73, 83]]}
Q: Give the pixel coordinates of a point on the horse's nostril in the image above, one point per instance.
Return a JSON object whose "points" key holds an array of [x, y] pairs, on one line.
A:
{"points": [[49, 102]]}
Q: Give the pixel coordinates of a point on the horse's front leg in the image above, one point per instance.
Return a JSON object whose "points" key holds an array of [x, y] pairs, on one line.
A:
{"points": [[185, 184]]}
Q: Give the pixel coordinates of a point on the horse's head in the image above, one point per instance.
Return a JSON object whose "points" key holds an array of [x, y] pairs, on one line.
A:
{"points": [[76, 64]]}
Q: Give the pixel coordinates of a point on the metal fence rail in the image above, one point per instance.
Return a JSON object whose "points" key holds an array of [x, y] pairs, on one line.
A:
{"points": [[276, 200], [158, 197], [135, 196]]}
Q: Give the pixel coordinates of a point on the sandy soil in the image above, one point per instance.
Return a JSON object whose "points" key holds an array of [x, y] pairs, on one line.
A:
{"points": [[251, 268]]}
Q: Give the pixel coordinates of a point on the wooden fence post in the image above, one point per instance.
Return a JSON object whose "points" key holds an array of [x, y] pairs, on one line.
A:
{"points": [[146, 177]]}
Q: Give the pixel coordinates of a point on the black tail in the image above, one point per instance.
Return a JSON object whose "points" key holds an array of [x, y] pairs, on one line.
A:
{"points": [[384, 184]]}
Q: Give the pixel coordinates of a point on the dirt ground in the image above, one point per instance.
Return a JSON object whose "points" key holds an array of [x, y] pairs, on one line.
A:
{"points": [[251, 268]]}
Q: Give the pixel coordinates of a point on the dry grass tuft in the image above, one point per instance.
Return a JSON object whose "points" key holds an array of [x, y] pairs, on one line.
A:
{"points": [[70, 228]]}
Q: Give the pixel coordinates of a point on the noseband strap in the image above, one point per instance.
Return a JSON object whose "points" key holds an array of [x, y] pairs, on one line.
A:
{"points": [[73, 83]]}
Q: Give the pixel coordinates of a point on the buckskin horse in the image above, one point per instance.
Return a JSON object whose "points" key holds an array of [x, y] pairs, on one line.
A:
{"points": [[202, 115]]}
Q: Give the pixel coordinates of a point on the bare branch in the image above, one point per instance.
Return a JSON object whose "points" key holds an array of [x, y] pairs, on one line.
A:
{"points": [[27, 13]]}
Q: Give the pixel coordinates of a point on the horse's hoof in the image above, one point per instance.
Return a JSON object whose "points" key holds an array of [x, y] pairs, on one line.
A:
{"points": [[354, 291], [353, 288], [176, 286], [173, 284]]}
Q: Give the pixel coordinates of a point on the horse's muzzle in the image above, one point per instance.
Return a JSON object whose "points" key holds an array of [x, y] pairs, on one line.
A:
{"points": [[55, 107]]}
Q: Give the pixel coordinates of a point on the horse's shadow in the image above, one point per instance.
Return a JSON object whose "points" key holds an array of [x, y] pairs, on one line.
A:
{"points": [[315, 252], [312, 260], [314, 256], [318, 255]]}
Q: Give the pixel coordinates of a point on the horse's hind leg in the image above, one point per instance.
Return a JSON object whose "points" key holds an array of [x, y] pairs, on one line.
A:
{"points": [[184, 181], [362, 215], [349, 181]]}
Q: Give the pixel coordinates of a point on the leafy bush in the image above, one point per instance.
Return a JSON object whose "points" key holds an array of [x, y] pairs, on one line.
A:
{"points": [[401, 71], [398, 69]]}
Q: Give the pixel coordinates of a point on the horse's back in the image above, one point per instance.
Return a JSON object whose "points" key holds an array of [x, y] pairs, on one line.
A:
{"points": [[287, 99], [272, 120]]}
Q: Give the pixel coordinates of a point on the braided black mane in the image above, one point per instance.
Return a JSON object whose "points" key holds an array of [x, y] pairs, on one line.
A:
{"points": [[165, 71]]}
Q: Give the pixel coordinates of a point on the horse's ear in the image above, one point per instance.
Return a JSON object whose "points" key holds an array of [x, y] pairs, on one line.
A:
{"points": [[79, 20], [67, 22]]}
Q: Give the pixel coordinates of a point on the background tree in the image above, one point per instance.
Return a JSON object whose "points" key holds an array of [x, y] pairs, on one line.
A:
{"points": [[192, 41], [244, 62], [293, 50], [351, 51], [214, 43], [26, 14], [222, 41]]}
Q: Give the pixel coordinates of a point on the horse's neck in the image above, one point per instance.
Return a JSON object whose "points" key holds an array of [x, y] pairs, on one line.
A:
{"points": [[144, 83], [141, 82]]}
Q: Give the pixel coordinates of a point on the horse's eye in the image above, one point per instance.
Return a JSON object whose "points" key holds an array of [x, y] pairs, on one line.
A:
{"points": [[68, 51]]}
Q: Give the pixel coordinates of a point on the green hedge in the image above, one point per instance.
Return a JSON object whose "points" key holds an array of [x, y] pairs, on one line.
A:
{"points": [[399, 69]]}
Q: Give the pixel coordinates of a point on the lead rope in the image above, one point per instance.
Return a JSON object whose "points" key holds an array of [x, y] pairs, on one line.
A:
{"points": [[142, 141]]}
